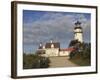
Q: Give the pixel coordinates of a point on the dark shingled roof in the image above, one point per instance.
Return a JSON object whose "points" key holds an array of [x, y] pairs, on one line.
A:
{"points": [[56, 45], [78, 28], [40, 47], [77, 23]]}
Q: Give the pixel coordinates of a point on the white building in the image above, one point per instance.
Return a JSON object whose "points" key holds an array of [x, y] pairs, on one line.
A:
{"points": [[78, 32], [49, 49], [66, 52], [53, 49]]}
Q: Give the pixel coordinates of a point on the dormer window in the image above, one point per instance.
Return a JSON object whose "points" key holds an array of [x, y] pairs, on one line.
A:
{"points": [[44, 47], [51, 41], [52, 45], [40, 46]]}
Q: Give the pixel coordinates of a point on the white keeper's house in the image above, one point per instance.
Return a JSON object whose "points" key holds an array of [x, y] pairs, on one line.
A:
{"points": [[53, 48]]}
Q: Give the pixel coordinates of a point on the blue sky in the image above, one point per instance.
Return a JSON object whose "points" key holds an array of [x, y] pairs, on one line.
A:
{"points": [[42, 26]]}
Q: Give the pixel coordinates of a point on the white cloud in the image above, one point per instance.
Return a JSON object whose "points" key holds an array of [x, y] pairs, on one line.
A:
{"points": [[53, 25]]}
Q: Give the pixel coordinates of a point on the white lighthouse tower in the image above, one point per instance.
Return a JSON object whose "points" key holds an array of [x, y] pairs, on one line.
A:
{"points": [[78, 32]]}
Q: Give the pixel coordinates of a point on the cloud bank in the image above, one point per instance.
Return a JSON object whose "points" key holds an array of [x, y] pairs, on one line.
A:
{"points": [[53, 25]]}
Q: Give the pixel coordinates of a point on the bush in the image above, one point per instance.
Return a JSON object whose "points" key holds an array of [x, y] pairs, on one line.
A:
{"points": [[31, 61], [82, 54]]}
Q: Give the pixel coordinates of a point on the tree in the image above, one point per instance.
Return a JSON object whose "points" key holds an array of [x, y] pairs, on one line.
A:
{"points": [[82, 55], [82, 49], [73, 43], [86, 50]]}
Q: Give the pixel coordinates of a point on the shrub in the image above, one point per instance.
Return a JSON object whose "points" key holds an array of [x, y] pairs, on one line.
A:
{"points": [[31, 61]]}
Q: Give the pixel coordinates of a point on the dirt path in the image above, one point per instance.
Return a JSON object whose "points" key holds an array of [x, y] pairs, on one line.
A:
{"points": [[61, 62]]}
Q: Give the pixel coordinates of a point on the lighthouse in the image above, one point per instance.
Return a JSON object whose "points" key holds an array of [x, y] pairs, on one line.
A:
{"points": [[78, 32]]}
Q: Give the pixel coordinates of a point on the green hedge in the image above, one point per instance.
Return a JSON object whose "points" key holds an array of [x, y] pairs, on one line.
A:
{"points": [[31, 61]]}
